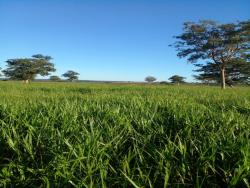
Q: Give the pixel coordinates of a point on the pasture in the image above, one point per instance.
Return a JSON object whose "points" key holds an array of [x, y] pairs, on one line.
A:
{"points": [[123, 135]]}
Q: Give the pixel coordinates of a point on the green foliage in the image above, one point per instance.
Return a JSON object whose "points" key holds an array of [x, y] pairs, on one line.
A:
{"points": [[223, 44], [177, 79], [71, 75], [109, 135], [28, 68], [54, 78], [237, 72], [150, 79]]}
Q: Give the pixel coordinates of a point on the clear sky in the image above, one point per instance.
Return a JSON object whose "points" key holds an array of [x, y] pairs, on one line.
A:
{"points": [[108, 39]]}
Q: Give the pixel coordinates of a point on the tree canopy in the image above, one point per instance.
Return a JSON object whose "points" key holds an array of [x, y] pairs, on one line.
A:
{"points": [[54, 78], [237, 72], [221, 44], [150, 79], [28, 68], [71, 75], [177, 79]]}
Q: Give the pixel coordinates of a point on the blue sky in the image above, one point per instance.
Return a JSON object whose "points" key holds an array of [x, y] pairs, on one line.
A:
{"points": [[108, 39]]}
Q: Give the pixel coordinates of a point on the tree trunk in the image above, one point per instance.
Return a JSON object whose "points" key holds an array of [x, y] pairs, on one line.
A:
{"points": [[223, 79], [27, 81]]}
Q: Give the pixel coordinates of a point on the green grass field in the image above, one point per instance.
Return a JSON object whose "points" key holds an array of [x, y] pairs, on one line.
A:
{"points": [[111, 135]]}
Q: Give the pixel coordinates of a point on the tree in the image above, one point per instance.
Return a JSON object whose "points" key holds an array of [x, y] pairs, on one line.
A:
{"points": [[71, 75], [221, 44], [28, 68], [238, 72], [54, 78], [177, 79], [150, 79]]}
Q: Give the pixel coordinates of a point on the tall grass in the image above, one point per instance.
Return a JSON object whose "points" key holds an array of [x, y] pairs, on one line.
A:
{"points": [[104, 135]]}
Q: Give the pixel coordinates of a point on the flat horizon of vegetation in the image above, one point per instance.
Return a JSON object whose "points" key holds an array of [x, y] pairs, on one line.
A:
{"points": [[123, 135]]}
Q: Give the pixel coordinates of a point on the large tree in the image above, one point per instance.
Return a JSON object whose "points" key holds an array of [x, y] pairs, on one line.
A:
{"points": [[27, 69], [221, 44], [237, 72], [71, 75], [177, 79]]}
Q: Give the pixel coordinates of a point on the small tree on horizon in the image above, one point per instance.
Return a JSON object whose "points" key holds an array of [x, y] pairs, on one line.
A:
{"points": [[71, 75], [54, 78], [150, 79], [176, 79], [27, 69]]}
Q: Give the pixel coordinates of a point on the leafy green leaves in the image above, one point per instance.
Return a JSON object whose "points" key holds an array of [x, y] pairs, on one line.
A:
{"points": [[123, 136]]}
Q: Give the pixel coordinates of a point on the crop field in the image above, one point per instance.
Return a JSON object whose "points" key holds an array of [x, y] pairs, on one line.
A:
{"points": [[123, 135]]}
